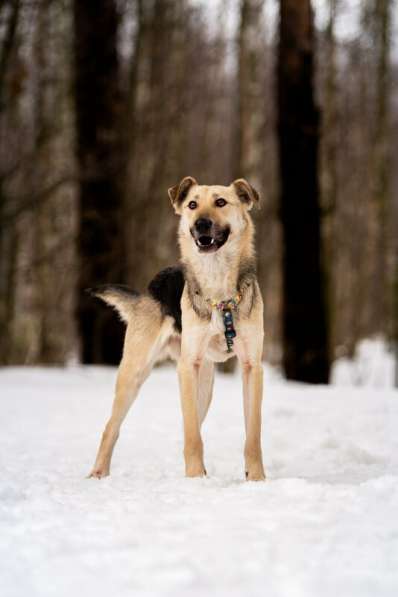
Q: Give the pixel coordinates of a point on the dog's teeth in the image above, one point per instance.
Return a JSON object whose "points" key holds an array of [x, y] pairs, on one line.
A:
{"points": [[212, 241]]}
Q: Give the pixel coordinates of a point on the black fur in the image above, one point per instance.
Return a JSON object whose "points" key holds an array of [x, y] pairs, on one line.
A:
{"points": [[166, 288]]}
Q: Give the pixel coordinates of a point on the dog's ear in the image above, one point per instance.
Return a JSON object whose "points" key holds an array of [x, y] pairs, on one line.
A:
{"points": [[178, 193], [246, 193]]}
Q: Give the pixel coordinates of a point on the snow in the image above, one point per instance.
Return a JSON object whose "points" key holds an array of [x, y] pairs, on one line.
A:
{"points": [[325, 523], [373, 365]]}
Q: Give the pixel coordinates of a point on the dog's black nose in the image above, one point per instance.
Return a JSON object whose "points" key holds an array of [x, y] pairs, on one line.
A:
{"points": [[203, 225]]}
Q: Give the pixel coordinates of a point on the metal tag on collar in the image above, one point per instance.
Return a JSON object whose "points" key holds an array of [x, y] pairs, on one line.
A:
{"points": [[230, 332]]}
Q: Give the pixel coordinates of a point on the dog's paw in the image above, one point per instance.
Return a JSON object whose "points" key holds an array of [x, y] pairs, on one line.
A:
{"points": [[195, 470], [255, 473], [98, 473]]}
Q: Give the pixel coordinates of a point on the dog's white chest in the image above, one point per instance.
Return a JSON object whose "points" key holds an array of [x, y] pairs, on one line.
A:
{"points": [[217, 347], [216, 322]]}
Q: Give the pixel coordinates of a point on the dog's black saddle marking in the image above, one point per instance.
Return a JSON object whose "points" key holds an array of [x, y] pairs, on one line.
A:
{"points": [[166, 288]]}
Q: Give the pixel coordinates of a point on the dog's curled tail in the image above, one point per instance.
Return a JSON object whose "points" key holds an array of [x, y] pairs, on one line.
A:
{"points": [[120, 297]]}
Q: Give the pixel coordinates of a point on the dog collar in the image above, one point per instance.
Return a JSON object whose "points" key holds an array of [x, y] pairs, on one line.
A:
{"points": [[226, 308], [231, 304]]}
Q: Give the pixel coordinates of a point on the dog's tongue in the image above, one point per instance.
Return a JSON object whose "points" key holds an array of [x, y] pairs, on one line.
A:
{"points": [[205, 241]]}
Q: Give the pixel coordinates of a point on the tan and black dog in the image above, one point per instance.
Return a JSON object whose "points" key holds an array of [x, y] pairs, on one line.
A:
{"points": [[200, 313]]}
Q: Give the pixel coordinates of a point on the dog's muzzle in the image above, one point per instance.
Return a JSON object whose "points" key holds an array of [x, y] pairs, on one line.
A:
{"points": [[208, 236]]}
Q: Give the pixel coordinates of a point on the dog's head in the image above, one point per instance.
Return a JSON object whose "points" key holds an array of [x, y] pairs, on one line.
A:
{"points": [[212, 215]]}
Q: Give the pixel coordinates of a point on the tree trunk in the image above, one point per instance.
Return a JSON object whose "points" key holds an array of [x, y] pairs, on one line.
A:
{"points": [[329, 173], [250, 93], [8, 236], [305, 326], [381, 164], [330, 114], [100, 162], [53, 218]]}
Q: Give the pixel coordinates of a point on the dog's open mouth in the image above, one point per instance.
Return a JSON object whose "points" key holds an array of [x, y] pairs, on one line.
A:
{"points": [[207, 243]]}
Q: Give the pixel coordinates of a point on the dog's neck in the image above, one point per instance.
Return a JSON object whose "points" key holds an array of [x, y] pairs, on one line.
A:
{"points": [[220, 275]]}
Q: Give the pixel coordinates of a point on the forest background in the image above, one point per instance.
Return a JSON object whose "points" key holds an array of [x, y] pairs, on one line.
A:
{"points": [[105, 104]]}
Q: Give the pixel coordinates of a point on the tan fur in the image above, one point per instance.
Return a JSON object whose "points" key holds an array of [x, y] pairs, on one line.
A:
{"points": [[151, 336], [124, 305]]}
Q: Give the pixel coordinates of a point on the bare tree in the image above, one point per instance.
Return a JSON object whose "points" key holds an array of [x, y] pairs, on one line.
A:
{"points": [[9, 236], [329, 152], [8, 42], [53, 218], [305, 326], [382, 43], [330, 113], [250, 92], [100, 161]]}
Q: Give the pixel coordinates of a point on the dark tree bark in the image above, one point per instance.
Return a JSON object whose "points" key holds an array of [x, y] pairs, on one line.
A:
{"points": [[53, 217], [7, 45], [8, 238], [305, 326], [100, 161], [330, 114], [329, 152], [381, 162]]}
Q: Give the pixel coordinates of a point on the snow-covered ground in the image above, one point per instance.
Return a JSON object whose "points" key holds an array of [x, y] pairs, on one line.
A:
{"points": [[325, 523], [373, 366]]}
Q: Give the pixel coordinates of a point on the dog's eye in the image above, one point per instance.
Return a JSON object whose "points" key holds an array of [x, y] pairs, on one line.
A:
{"points": [[192, 205], [220, 202]]}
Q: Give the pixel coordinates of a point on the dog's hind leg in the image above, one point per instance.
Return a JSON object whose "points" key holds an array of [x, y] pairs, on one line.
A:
{"points": [[205, 391], [145, 337], [129, 380]]}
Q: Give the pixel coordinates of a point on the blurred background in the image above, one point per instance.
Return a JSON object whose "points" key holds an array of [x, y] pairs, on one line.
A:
{"points": [[104, 104]]}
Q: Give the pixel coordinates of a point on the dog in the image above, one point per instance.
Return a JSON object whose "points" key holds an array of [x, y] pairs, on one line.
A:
{"points": [[202, 312]]}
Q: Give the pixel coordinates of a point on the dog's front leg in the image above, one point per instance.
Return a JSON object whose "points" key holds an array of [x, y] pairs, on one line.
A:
{"points": [[205, 391], [188, 374], [253, 393]]}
